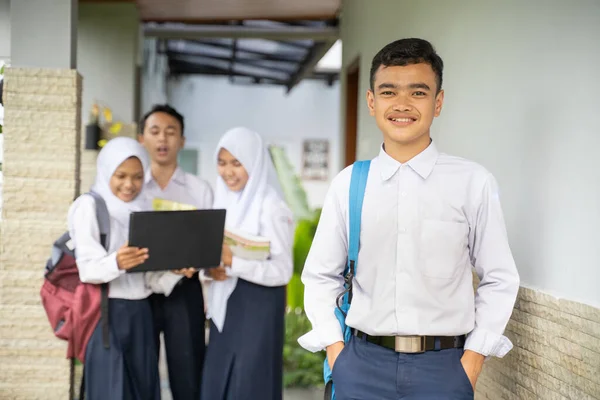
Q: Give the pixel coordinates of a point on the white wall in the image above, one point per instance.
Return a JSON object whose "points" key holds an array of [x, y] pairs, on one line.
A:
{"points": [[107, 49], [211, 106], [522, 84]]}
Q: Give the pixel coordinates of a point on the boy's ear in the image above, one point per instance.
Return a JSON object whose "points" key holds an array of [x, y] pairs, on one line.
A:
{"points": [[140, 138]]}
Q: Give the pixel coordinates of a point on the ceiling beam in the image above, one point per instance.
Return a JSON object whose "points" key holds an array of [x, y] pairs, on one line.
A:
{"points": [[233, 51], [311, 60], [261, 55], [186, 68], [182, 67], [178, 55], [328, 33], [296, 45]]}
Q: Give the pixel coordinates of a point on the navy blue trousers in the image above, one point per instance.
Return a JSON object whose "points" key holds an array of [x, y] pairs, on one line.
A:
{"points": [[180, 316], [366, 371], [128, 370]]}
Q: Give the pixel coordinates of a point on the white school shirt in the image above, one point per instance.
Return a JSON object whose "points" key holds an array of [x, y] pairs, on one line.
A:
{"points": [[425, 224], [276, 224], [182, 188], [96, 264]]}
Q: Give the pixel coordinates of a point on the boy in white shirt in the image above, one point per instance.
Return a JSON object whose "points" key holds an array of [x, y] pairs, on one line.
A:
{"points": [[428, 219], [179, 312]]}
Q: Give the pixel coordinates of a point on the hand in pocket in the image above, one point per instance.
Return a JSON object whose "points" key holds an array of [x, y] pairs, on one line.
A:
{"points": [[333, 351]]}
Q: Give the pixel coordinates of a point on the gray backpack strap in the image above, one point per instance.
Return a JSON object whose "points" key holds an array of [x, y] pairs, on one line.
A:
{"points": [[104, 224], [103, 218]]}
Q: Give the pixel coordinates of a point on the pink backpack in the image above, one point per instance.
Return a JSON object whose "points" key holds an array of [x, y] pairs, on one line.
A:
{"points": [[74, 308]]}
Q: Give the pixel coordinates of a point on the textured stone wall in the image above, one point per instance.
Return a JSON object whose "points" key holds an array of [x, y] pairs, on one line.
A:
{"points": [[41, 179], [88, 168], [556, 353]]}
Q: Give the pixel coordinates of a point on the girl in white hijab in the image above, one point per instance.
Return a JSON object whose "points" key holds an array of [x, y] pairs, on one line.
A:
{"points": [[128, 369], [246, 301]]}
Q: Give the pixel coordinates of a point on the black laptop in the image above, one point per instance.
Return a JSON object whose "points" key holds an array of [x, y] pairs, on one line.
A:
{"points": [[178, 239]]}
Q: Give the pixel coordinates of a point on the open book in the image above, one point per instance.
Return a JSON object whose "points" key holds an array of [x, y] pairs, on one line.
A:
{"points": [[242, 244], [246, 246]]}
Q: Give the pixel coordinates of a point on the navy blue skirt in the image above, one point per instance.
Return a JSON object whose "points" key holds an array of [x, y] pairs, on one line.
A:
{"points": [[128, 370], [245, 361]]}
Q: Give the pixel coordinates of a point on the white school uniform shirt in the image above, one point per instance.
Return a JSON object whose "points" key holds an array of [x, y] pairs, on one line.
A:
{"points": [[96, 264], [425, 224], [182, 188], [276, 224]]}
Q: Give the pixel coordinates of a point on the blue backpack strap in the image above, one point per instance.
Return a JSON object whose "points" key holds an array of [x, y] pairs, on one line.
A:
{"points": [[103, 217], [358, 183]]}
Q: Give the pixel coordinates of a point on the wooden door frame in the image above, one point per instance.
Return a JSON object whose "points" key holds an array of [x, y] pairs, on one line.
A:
{"points": [[352, 78]]}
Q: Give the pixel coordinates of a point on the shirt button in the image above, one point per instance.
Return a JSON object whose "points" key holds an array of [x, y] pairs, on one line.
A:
{"points": [[402, 229], [404, 194]]}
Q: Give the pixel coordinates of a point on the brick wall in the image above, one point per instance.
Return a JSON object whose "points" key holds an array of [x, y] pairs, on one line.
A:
{"points": [[41, 179], [556, 353]]}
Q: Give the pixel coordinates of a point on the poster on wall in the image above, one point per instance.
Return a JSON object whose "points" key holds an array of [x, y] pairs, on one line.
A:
{"points": [[315, 160]]}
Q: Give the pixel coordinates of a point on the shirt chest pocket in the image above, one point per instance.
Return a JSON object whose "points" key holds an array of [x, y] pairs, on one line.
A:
{"points": [[443, 248]]}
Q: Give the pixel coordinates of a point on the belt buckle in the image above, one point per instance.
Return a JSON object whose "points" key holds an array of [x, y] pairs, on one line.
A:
{"points": [[410, 344]]}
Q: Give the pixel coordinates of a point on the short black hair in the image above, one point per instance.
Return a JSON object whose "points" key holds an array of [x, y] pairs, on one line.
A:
{"points": [[164, 108], [406, 52]]}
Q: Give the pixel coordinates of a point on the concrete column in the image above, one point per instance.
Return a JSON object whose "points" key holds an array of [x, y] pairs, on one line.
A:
{"points": [[108, 35], [4, 30], [43, 33], [42, 99]]}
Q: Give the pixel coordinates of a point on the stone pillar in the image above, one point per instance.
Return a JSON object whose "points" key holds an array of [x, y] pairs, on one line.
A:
{"points": [[41, 169], [42, 123]]}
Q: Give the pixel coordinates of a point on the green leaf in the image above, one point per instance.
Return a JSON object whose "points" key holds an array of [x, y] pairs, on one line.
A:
{"points": [[303, 238], [301, 368], [294, 193], [295, 293]]}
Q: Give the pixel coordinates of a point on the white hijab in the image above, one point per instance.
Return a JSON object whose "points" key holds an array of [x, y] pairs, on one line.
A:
{"points": [[110, 158], [243, 208]]}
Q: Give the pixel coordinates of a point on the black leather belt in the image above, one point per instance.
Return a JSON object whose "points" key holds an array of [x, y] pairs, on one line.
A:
{"points": [[414, 344]]}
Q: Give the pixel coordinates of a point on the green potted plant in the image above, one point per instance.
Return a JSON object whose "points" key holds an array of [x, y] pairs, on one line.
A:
{"points": [[303, 370]]}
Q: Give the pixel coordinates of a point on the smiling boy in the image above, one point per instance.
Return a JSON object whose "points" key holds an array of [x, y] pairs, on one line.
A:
{"points": [[428, 219]]}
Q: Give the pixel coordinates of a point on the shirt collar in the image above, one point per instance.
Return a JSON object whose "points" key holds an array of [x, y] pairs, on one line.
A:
{"points": [[178, 176], [422, 163]]}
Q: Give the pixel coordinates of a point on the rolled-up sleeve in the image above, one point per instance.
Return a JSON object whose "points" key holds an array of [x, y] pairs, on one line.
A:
{"points": [[499, 280]]}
